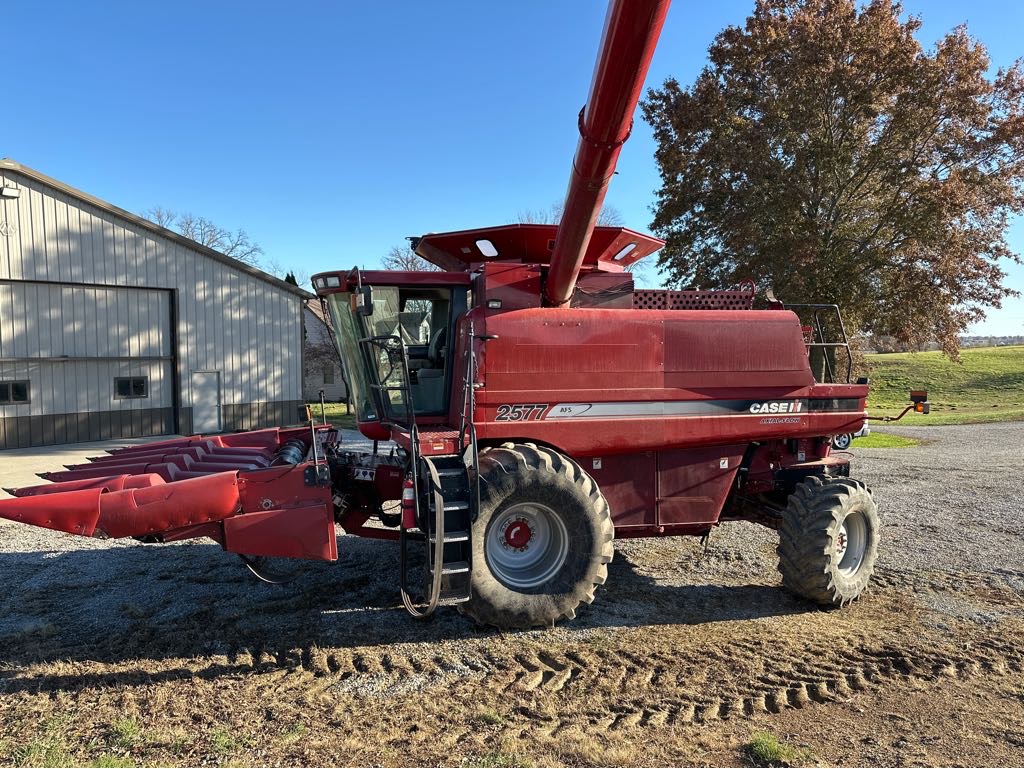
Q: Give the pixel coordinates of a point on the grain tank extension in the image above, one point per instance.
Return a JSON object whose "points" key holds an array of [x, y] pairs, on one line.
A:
{"points": [[528, 405]]}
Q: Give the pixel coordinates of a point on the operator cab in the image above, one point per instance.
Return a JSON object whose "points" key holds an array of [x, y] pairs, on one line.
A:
{"points": [[422, 318], [395, 331]]}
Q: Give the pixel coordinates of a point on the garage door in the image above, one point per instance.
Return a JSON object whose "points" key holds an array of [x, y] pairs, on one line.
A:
{"points": [[83, 363]]}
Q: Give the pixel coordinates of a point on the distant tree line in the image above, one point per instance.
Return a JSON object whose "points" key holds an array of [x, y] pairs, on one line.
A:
{"points": [[892, 344]]}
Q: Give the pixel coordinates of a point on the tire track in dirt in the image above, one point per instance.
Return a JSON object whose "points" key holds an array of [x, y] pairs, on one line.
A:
{"points": [[752, 676], [873, 670], [667, 678], [1008, 582]]}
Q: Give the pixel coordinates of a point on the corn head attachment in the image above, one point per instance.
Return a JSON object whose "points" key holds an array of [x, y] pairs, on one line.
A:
{"points": [[257, 493]]}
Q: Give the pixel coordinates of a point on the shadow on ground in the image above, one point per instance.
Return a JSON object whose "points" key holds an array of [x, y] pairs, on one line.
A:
{"points": [[132, 603]]}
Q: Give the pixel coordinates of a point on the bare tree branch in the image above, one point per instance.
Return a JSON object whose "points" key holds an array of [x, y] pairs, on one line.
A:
{"points": [[404, 259], [236, 244], [609, 216]]}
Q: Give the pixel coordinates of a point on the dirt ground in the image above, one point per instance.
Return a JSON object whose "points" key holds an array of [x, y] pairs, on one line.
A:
{"points": [[121, 654]]}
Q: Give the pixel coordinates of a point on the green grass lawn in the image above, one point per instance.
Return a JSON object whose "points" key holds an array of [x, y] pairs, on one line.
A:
{"points": [[335, 415], [986, 386], [883, 441]]}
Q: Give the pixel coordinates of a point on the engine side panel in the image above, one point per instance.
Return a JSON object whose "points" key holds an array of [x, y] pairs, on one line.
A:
{"points": [[592, 382]]}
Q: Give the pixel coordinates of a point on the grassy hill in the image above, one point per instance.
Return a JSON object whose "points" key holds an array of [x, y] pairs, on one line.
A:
{"points": [[986, 386]]}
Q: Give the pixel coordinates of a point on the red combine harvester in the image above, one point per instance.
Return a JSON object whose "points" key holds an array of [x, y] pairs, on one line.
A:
{"points": [[539, 405]]}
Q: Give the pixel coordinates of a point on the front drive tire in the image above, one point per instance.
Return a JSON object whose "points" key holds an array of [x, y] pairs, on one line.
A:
{"points": [[542, 540], [828, 540]]}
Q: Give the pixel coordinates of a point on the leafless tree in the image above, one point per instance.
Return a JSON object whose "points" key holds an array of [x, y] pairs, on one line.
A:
{"points": [[609, 216], [237, 244], [405, 259], [274, 267], [162, 216]]}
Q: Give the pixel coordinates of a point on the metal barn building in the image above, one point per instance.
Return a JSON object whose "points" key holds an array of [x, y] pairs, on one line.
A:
{"points": [[113, 327]]}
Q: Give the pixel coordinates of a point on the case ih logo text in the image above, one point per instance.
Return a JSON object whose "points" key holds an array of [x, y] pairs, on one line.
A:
{"points": [[777, 407]]}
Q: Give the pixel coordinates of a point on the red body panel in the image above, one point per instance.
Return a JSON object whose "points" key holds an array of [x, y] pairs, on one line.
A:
{"points": [[306, 532], [144, 509], [165, 506], [604, 382]]}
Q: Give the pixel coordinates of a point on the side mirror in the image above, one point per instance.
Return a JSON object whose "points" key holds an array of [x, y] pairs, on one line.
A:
{"points": [[362, 301]]}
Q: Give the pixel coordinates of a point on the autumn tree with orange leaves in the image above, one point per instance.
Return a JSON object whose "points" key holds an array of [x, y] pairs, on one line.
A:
{"points": [[824, 152]]}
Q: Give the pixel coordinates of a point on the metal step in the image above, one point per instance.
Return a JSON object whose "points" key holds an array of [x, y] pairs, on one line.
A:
{"points": [[452, 536], [452, 471], [450, 506], [454, 567], [452, 600]]}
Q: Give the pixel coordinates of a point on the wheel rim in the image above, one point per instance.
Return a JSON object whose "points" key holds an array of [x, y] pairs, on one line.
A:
{"points": [[851, 543], [526, 545], [842, 441]]}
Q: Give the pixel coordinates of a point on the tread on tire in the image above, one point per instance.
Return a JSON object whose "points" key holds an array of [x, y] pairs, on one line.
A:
{"points": [[517, 473], [812, 524]]}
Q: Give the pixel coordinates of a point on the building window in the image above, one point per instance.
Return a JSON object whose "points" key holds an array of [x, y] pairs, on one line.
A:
{"points": [[328, 374], [14, 392], [131, 387]]}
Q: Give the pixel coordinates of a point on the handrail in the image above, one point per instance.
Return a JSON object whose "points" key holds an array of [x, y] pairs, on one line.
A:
{"points": [[438, 548], [818, 326], [434, 597], [466, 424]]}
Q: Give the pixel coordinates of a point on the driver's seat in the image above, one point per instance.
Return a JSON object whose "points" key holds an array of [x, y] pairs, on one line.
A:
{"points": [[429, 395]]}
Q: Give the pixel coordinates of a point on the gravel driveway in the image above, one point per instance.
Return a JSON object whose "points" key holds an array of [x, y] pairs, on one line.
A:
{"points": [[952, 505], [956, 502], [678, 637]]}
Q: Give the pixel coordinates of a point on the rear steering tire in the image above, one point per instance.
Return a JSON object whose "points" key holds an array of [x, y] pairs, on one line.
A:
{"points": [[542, 540], [828, 540], [842, 442]]}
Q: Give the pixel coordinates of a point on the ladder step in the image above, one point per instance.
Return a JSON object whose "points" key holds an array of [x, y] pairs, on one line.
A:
{"points": [[452, 600], [451, 506], [455, 567], [451, 471], [452, 536]]}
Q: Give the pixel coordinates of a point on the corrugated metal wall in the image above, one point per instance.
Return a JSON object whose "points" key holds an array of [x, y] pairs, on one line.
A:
{"points": [[197, 314]]}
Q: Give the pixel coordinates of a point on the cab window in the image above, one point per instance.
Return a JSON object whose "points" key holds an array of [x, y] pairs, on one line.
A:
{"points": [[421, 317]]}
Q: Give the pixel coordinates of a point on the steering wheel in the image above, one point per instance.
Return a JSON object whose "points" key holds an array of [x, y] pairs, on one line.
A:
{"points": [[437, 342]]}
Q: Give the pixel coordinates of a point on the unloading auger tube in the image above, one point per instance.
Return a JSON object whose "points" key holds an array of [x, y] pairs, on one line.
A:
{"points": [[631, 33]]}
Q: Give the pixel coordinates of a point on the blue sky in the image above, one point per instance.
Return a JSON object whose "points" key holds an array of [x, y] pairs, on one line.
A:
{"points": [[330, 131]]}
